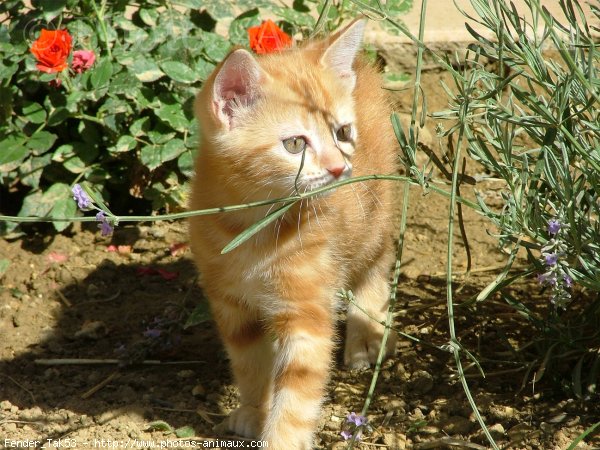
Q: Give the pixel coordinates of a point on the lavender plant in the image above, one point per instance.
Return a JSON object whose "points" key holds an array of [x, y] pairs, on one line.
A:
{"points": [[534, 124]]}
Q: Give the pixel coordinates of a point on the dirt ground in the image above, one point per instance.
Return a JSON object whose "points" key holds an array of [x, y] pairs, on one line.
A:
{"points": [[77, 297]]}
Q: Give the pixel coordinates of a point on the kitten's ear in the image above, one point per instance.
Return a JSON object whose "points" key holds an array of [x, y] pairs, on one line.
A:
{"points": [[236, 85], [341, 52]]}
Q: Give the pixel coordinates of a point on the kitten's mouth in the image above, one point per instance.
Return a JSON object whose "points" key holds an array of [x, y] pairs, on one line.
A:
{"points": [[318, 182]]}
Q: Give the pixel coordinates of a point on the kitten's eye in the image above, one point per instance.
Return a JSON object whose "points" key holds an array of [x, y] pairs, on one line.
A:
{"points": [[344, 133], [295, 144]]}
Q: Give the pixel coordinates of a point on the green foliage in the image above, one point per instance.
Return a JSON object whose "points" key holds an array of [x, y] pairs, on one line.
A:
{"points": [[125, 125], [534, 124]]}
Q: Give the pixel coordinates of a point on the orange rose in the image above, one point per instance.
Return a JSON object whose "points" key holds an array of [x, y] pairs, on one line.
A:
{"points": [[267, 38], [51, 50]]}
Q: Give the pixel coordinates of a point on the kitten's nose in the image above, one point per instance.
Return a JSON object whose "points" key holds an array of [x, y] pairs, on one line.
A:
{"points": [[336, 171]]}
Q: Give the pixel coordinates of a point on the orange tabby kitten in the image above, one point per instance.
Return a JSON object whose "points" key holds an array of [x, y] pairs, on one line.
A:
{"points": [[274, 297]]}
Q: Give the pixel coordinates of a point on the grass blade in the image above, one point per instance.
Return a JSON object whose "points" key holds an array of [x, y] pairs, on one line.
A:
{"points": [[255, 228]]}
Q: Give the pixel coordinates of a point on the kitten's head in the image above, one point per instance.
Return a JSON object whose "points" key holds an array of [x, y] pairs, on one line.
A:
{"points": [[261, 116]]}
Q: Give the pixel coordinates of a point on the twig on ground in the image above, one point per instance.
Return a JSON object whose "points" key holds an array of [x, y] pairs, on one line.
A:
{"points": [[21, 386], [100, 385]]}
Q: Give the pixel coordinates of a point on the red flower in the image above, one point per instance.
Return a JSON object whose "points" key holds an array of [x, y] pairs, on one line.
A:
{"points": [[268, 38], [51, 50], [82, 60]]}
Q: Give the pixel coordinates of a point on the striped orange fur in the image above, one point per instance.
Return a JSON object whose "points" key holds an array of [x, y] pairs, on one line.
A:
{"points": [[273, 298]]}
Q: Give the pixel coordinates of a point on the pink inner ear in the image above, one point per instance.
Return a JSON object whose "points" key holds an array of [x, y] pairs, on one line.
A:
{"points": [[235, 85]]}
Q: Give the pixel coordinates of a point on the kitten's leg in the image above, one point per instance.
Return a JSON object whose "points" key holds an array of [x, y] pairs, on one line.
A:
{"points": [[363, 333], [305, 340], [251, 355]]}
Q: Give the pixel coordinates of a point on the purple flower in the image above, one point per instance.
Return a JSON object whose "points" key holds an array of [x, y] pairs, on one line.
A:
{"points": [[568, 280], [346, 434], [79, 195], [551, 259], [105, 228], [553, 226], [152, 333], [356, 419]]}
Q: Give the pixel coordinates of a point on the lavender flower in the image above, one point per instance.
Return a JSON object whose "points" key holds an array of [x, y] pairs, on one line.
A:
{"points": [[553, 227], [105, 227], [152, 333], [82, 199], [356, 419], [553, 255], [346, 434], [551, 259]]}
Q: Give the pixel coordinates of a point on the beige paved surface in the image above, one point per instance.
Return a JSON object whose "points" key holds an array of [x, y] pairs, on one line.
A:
{"points": [[444, 22]]}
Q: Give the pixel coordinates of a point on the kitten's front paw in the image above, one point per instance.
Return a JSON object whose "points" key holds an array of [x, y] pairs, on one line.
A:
{"points": [[246, 421], [363, 341]]}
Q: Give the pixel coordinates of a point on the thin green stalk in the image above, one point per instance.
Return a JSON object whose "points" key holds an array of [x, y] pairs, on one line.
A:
{"points": [[405, 201], [100, 15], [454, 345], [232, 208], [322, 18]]}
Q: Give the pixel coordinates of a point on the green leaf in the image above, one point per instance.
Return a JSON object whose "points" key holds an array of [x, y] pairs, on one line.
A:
{"points": [[173, 115], [152, 156], [218, 9], [101, 74], [253, 229], [215, 47], [394, 77], [200, 314], [186, 164], [57, 116], [146, 70], [238, 30], [4, 263], [203, 69], [159, 425], [31, 169], [12, 149], [149, 16], [76, 157], [34, 112], [179, 72], [185, 432], [124, 144], [52, 8], [41, 142], [140, 126], [64, 206]]}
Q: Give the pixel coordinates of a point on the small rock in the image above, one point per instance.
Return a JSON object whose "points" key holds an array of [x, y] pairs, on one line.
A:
{"points": [[10, 426], [92, 329], [456, 425], [5, 405], [519, 432], [497, 431], [398, 406], [199, 391], [395, 441], [187, 373], [502, 412], [421, 382], [32, 414]]}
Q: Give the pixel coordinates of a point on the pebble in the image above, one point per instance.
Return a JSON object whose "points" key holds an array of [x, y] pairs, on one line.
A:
{"points": [[187, 373], [456, 425], [421, 382], [5, 405], [11, 426], [395, 441], [198, 391]]}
